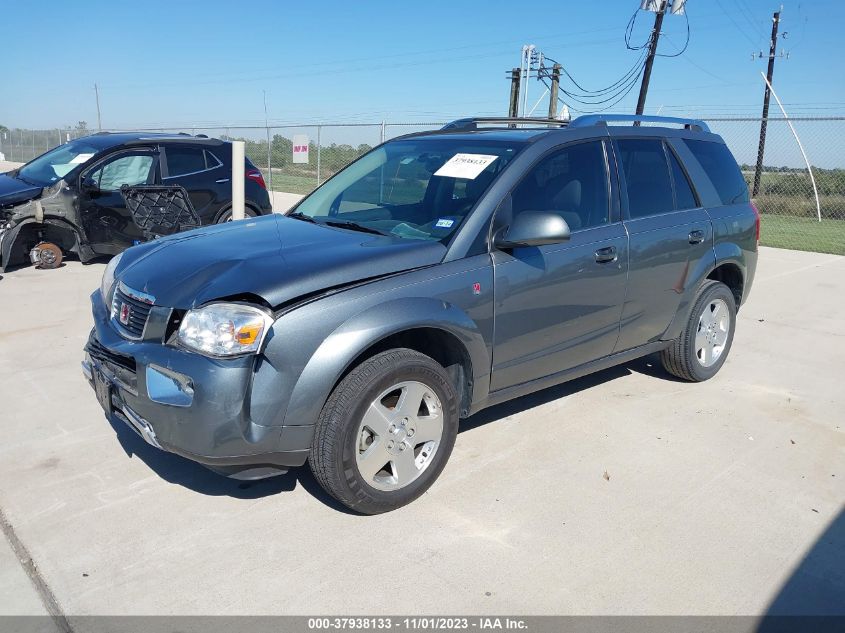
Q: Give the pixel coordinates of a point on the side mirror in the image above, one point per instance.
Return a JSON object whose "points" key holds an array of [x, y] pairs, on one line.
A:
{"points": [[533, 228], [89, 185]]}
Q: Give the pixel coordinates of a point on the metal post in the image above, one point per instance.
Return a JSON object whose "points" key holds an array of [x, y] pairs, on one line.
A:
{"points": [[761, 147], [267, 127], [382, 131], [528, 53], [238, 179], [800, 146], [318, 155], [97, 95]]}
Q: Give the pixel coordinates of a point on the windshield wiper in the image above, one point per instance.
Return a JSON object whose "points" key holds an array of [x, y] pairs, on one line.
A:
{"points": [[354, 226], [298, 215]]}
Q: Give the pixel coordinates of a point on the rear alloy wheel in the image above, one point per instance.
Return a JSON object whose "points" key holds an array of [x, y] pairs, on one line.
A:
{"points": [[386, 432], [46, 255], [226, 216], [703, 346]]}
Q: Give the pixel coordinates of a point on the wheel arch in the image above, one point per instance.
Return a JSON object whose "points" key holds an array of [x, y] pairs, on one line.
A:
{"points": [[730, 274], [429, 326], [14, 250]]}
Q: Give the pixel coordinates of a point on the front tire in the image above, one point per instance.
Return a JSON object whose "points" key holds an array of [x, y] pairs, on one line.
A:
{"points": [[386, 432], [702, 348]]}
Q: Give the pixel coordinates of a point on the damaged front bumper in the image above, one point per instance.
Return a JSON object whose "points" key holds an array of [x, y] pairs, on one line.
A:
{"points": [[188, 404]]}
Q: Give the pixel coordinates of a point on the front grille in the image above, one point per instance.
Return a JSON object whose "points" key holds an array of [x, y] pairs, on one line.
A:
{"points": [[129, 313], [104, 355]]}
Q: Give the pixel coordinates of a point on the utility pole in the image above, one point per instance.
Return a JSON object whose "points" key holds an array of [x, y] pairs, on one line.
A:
{"points": [[553, 91], [766, 95], [97, 96], [513, 106], [652, 49]]}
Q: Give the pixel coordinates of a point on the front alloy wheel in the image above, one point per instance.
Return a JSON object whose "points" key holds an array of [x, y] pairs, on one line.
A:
{"points": [[399, 435]]}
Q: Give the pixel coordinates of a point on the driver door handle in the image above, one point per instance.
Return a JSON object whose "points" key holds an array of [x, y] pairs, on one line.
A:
{"points": [[606, 255]]}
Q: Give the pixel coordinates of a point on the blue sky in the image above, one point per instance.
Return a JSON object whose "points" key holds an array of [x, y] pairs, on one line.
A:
{"points": [[192, 63]]}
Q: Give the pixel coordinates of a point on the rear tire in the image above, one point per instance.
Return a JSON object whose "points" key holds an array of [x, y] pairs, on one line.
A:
{"points": [[703, 346], [386, 432], [226, 216]]}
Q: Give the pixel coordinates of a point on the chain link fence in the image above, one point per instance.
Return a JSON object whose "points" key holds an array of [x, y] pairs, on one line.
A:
{"points": [[784, 196]]}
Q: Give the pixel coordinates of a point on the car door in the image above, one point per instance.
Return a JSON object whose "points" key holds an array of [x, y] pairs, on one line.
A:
{"points": [[202, 175], [108, 225], [558, 306], [670, 233]]}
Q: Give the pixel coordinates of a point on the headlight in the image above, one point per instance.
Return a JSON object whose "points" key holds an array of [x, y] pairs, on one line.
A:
{"points": [[107, 284], [224, 329]]}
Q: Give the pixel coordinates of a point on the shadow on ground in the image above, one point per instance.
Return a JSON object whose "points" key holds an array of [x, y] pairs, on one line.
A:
{"points": [[817, 586], [181, 471]]}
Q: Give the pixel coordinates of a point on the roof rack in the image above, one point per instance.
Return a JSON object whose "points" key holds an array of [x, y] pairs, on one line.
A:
{"points": [[473, 123], [602, 119]]}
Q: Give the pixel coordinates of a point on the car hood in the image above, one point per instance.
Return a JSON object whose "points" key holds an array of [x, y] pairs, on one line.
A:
{"points": [[14, 191], [276, 258]]}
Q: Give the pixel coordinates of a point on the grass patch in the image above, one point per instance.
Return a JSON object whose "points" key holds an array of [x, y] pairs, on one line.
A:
{"points": [[803, 234], [293, 184]]}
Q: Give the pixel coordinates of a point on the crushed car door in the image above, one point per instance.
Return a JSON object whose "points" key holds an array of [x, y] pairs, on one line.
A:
{"points": [[558, 306], [107, 222]]}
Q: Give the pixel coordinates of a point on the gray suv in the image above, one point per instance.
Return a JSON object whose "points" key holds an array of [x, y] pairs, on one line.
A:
{"points": [[439, 274]]}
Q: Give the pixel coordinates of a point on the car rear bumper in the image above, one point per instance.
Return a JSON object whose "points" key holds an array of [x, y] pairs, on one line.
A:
{"points": [[188, 404]]}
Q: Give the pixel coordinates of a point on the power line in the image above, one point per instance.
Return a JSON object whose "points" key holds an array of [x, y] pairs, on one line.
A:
{"points": [[754, 42]]}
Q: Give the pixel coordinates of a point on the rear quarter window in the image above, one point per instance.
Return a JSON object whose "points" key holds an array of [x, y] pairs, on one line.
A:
{"points": [[720, 166]]}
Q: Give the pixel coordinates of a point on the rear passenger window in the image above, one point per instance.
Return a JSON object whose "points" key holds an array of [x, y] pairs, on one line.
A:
{"points": [[184, 160], [646, 177], [571, 183], [211, 161], [684, 197], [720, 166]]}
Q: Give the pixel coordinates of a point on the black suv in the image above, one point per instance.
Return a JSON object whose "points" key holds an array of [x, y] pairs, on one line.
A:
{"points": [[439, 274], [70, 198]]}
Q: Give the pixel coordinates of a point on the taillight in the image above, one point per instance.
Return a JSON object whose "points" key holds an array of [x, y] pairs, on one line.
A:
{"points": [[255, 175], [757, 220]]}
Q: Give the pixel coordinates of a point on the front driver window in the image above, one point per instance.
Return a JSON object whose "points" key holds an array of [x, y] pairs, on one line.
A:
{"points": [[124, 170], [571, 182]]}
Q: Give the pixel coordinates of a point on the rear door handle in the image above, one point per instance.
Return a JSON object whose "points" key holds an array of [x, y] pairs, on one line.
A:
{"points": [[606, 255], [696, 237], [220, 181]]}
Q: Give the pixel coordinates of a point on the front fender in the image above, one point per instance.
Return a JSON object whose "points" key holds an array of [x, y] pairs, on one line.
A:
{"points": [[340, 349]]}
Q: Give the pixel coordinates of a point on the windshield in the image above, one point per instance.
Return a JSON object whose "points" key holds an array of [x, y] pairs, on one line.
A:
{"points": [[419, 189], [55, 164]]}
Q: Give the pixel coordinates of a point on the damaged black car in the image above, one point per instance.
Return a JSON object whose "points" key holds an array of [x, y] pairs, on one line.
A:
{"points": [[72, 199]]}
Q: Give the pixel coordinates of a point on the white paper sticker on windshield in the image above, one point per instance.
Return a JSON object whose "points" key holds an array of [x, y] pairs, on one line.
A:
{"points": [[465, 166], [81, 158]]}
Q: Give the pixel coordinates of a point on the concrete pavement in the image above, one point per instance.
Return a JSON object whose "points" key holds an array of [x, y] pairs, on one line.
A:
{"points": [[720, 498]]}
